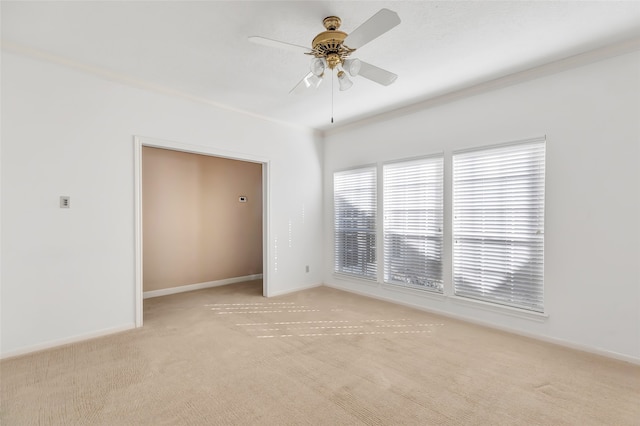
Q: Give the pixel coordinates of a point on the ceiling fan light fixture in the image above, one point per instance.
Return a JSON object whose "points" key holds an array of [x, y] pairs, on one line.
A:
{"points": [[352, 66], [317, 66], [313, 80], [344, 81]]}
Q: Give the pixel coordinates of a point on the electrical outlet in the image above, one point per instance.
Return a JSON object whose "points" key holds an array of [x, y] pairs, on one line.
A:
{"points": [[307, 268]]}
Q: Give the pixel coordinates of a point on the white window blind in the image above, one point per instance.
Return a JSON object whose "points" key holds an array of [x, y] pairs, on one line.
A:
{"points": [[413, 223], [354, 193], [498, 224]]}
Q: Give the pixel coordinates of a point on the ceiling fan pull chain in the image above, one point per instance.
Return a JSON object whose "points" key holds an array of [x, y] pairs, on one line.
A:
{"points": [[332, 97]]}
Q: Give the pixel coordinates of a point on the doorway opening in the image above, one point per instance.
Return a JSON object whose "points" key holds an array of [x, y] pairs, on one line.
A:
{"points": [[201, 218]]}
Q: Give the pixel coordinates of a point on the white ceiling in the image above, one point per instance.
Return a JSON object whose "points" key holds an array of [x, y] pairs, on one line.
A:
{"points": [[200, 48]]}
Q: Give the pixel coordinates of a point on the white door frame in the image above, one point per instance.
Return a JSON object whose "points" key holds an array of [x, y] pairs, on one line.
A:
{"points": [[139, 142]]}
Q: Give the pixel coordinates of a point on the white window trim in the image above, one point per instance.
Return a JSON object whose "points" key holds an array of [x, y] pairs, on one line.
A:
{"points": [[448, 294], [346, 275], [381, 202], [486, 304]]}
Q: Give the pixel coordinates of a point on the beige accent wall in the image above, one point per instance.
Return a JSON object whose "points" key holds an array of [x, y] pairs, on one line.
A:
{"points": [[194, 228]]}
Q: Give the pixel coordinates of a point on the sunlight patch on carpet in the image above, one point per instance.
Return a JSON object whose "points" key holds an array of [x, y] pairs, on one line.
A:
{"points": [[323, 328]]}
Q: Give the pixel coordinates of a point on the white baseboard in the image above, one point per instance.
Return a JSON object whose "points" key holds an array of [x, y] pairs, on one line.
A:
{"points": [[293, 290], [199, 286], [60, 342], [553, 340]]}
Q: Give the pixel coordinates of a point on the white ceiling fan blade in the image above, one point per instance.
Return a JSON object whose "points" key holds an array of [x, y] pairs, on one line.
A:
{"points": [[281, 44], [376, 74], [308, 81], [374, 27]]}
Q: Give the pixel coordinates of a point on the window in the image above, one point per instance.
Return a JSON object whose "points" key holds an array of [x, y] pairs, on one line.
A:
{"points": [[413, 223], [354, 193], [498, 224]]}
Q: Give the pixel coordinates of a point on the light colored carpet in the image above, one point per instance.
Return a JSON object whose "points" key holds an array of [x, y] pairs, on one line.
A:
{"points": [[226, 356]]}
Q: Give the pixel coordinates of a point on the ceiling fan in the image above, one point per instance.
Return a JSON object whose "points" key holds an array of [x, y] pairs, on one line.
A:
{"points": [[333, 48]]}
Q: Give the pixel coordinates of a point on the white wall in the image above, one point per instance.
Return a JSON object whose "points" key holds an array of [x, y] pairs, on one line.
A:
{"points": [[69, 273], [591, 117], [66, 274]]}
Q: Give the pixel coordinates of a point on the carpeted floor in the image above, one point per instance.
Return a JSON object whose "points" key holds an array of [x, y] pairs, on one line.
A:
{"points": [[227, 356]]}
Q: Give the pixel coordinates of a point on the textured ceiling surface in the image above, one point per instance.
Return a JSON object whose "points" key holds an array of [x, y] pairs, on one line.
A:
{"points": [[200, 48]]}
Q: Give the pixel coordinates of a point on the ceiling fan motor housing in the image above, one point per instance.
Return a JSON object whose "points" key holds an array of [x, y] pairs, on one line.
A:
{"points": [[329, 44]]}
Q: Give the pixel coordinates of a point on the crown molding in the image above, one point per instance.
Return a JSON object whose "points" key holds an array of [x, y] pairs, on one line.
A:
{"points": [[508, 79], [121, 78]]}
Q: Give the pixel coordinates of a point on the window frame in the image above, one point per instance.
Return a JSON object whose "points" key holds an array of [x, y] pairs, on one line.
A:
{"points": [[425, 234], [370, 271], [536, 306]]}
